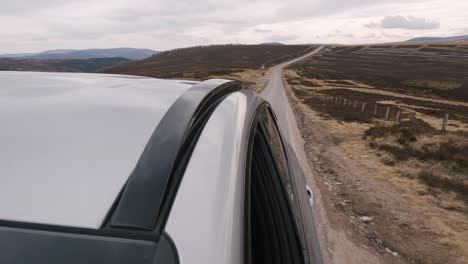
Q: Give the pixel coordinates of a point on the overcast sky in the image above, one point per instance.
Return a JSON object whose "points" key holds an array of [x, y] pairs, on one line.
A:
{"points": [[36, 25]]}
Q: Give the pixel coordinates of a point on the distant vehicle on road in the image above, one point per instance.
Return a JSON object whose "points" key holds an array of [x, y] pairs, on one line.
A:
{"points": [[101, 168]]}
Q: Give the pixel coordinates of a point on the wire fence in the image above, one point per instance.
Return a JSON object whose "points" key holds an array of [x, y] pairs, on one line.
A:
{"points": [[381, 110]]}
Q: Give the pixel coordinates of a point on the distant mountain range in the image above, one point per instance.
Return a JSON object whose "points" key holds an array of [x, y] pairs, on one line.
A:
{"points": [[436, 39], [52, 65], [62, 54]]}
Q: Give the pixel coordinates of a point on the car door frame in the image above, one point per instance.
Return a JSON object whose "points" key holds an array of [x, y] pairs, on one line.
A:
{"points": [[300, 206]]}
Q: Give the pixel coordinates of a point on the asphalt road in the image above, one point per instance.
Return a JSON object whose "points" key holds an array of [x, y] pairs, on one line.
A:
{"points": [[275, 94], [334, 245]]}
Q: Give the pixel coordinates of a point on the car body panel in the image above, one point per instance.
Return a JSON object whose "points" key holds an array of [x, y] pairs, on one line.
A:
{"points": [[207, 219], [311, 247], [147, 198], [70, 141]]}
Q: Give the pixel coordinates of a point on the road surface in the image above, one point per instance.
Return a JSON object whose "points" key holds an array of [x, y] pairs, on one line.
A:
{"points": [[275, 94], [335, 245]]}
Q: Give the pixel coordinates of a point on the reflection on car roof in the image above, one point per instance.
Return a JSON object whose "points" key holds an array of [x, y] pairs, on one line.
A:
{"points": [[69, 141]]}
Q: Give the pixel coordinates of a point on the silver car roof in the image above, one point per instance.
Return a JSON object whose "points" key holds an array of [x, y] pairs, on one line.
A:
{"points": [[69, 141], [206, 221]]}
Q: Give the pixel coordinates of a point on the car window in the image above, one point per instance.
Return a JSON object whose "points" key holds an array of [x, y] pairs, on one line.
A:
{"points": [[272, 134], [22, 246], [24, 243], [273, 233], [276, 146]]}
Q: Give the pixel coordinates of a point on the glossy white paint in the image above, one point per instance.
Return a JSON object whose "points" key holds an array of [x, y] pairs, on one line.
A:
{"points": [[206, 221], [69, 141]]}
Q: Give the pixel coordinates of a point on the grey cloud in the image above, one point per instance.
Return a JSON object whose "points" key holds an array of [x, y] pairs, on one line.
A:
{"points": [[259, 30], [401, 22], [182, 9], [303, 9], [242, 14], [339, 33], [26, 6], [316, 8], [283, 37], [175, 23], [460, 31], [383, 36]]}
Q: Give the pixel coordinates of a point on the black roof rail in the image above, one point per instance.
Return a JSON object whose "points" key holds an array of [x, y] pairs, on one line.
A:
{"points": [[147, 197]]}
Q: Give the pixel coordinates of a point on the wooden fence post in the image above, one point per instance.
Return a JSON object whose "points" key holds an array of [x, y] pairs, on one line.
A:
{"points": [[397, 117], [375, 110], [387, 113], [363, 106], [444, 122], [344, 102], [355, 104]]}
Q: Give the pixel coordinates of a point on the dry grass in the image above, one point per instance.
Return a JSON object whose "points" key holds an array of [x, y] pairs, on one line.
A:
{"points": [[416, 140], [421, 195], [443, 156], [444, 182], [422, 223], [251, 79], [432, 70]]}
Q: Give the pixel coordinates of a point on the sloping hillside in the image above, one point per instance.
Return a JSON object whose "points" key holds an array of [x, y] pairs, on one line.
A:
{"points": [[436, 39], [73, 65], [63, 54], [205, 61], [386, 129], [431, 70]]}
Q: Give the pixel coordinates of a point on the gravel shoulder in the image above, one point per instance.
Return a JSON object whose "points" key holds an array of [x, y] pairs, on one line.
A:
{"points": [[365, 215]]}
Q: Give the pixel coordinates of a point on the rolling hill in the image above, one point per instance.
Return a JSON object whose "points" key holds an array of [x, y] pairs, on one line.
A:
{"points": [[437, 39], [204, 61], [424, 69], [70, 65], [62, 54]]}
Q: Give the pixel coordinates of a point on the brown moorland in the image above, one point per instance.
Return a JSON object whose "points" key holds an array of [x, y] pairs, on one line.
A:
{"points": [[206, 61], [406, 174], [437, 70]]}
